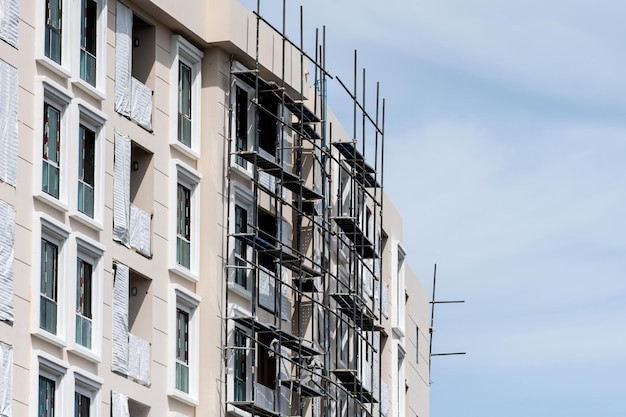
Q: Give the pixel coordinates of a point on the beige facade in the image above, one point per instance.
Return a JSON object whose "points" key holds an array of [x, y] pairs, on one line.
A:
{"points": [[188, 229]]}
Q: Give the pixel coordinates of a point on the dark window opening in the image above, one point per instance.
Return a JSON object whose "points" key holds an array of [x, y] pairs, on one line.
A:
{"points": [[268, 125], [266, 361], [267, 232]]}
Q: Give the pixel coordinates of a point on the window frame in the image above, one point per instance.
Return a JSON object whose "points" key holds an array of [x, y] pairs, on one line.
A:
{"points": [[399, 290], [93, 252], [242, 197], [97, 91], [235, 161], [64, 67], [55, 370], [236, 310], [55, 95], [189, 302], [188, 177], [58, 234], [90, 386], [95, 120], [186, 53]]}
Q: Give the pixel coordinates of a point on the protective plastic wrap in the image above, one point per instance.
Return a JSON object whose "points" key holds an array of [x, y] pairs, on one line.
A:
{"points": [[6, 379], [8, 122], [140, 230], [9, 21], [123, 59], [139, 359], [141, 104], [119, 361], [7, 232], [121, 189], [119, 405]]}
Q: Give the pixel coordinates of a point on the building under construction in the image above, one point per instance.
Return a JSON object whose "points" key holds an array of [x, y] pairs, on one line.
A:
{"points": [[223, 244]]}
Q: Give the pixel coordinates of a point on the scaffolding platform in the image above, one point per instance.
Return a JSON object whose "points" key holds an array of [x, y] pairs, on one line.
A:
{"points": [[288, 340], [361, 243], [349, 379]]}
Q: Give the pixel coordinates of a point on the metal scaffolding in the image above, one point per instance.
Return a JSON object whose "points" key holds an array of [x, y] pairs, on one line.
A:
{"points": [[303, 274]]}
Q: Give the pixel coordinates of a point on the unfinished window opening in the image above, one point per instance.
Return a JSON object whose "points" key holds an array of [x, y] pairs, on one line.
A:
{"points": [[140, 306], [266, 360], [268, 125], [141, 178], [137, 409], [143, 54]]}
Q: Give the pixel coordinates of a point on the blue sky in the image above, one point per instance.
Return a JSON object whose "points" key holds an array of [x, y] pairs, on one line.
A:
{"points": [[509, 117]]}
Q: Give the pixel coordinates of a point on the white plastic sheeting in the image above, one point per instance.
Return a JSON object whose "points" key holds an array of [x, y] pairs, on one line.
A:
{"points": [[8, 122], [140, 230], [264, 397], [9, 21], [121, 189], [139, 359], [267, 293], [141, 104], [384, 398], [7, 233], [6, 379], [119, 405], [284, 374], [266, 180], [119, 361], [123, 59], [376, 296], [285, 304]]}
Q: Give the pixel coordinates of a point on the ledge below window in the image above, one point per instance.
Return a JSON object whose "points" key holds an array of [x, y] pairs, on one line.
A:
{"points": [[184, 398], [185, 273]]}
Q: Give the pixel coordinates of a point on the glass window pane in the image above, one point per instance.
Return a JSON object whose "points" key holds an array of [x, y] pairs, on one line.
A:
{"points": [[53, 30], [46, 397]]}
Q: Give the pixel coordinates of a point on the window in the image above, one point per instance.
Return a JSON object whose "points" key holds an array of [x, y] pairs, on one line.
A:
{"points": [[50, 181], [184, 104], [240, 364], [84, 275], [86, 394], [241, 123], [50, 384], [82, 405], [186, 79], [400, 382], [417, 344], [50, 278], [89, 17], [47, 397], [399, 295], [241, 249], [51, 154], [86, 170], [87, 186], [48, 286], [52, 48], [183, 227], [182, 350], [185, 361], [266, 360]]}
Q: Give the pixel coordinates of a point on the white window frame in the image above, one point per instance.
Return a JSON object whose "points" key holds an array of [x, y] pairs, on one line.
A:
{"points": [[241, 196], [247, 170], [94, 120], [238, 311], [47, 228], [183, 51], [99, 90], [57, 96], [90, 386], [188, 301], [64, 69], [185, 175], [56, 370], [91, 251], [399, 290]]}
